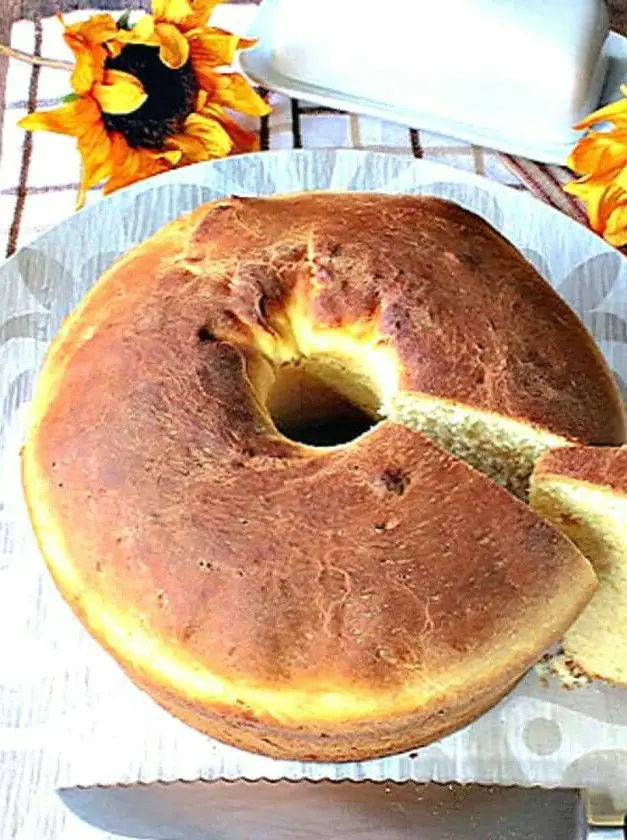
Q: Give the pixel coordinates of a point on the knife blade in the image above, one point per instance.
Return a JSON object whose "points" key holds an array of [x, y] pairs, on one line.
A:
{"points": [[241, 810]]}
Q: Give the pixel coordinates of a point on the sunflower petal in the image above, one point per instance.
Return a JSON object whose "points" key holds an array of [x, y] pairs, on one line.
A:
{"points": [[243, 43], [143, 32], [129, 165], [213, 136], [59, 120], [599, 153], [172, 11], [233, 91], [621, 177], [173, 45], [95, 30], [125, 167], [212, 49], [73, 119], [192, 148], [172, 157], [609, 198], [205, 76], [114, 48], [247, 43], [86, 39], [89, 69], [119, 93], [201, 99], [615, 113], [95, 148], [202, 11], [243, 140], [591, 191], [616, 228], [612, 215]]}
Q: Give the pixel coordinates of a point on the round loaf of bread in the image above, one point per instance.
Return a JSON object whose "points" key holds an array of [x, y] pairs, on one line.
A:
{"points": [[243, 469]]}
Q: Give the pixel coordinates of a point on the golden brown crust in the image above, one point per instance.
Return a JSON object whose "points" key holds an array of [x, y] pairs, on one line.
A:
{"points": [[605, 467], [469, 319], [338, 601], [375, 739], [354, 587], [324, 557]]}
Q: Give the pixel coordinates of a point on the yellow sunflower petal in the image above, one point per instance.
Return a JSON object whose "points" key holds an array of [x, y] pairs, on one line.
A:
{"points": [[205, 76], [609, 198], [172, 11], [143, 32], [621, 177], [600, 152], [171, 156], [243, 43], [59, 120], [73, 118], [173, 45], [140, 165], [616, 229], [95, 30], [88, 70], [243, 140], [615, 113], [233, 91], [612, 215], [95, 150], [212, 49], [114, 48], [213, 136], [202, 11], [125, 167], [201, 99], [129, 164], [86, 39], [591, 192], [247, 43], [119, 93], [192, 148]]}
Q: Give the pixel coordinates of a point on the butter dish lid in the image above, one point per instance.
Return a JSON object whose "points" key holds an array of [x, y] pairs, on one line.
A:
{"points": [[500, 73]]}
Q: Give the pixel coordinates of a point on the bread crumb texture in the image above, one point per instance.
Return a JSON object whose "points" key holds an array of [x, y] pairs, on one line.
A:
{"points": [[584, 494]]}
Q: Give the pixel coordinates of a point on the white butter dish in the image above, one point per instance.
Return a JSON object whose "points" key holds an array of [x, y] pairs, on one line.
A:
{"points": [[510, 75]]}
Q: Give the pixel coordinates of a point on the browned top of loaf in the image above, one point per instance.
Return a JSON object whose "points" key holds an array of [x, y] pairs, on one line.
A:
{"points": [[469, 318], [159, 488], [359, 570], [605, 466]]}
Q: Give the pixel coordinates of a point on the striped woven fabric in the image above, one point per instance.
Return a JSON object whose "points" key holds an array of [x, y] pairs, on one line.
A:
{"points": [[39, 173]]}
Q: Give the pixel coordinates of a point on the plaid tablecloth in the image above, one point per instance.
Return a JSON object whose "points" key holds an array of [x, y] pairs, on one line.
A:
{"points": [[39, 173]]}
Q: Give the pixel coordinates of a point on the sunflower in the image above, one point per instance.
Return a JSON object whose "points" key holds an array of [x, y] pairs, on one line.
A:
{"points": [[151, 97], [601, 159]]}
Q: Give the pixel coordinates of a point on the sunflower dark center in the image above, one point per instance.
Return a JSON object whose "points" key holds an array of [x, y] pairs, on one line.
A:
{"points": [[171, 97]]}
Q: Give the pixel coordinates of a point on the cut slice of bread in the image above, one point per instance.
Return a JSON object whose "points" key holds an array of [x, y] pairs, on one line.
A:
{"points": [[583, 492], [500, 447]]}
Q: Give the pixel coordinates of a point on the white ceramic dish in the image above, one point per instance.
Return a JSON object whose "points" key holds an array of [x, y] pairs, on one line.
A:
{"points": [[93, 726], [260, 64]]}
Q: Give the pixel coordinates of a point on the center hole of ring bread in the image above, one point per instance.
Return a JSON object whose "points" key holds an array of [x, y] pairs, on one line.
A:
{"points": [[319, 402]]}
